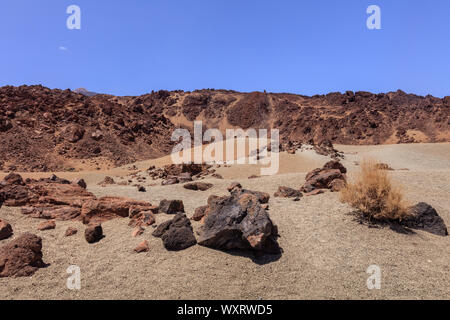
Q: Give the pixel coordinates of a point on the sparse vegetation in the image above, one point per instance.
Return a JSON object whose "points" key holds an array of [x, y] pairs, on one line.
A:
{"points": [[374, 195]]}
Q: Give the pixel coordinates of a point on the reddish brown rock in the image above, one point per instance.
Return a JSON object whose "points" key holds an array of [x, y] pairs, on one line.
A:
{"points": [[110, 207], [171, 206], [6, 230], [71, 231], [314, 192], [107, 181], [331, 176], [199, 213], [47, 225], [286, 192], [198, 186], [137, 232], [142, 247], [21, 257]]}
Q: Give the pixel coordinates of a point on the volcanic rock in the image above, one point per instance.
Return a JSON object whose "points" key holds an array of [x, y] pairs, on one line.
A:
{"points": [[80, 182], [422, 216], [239, 222], [71, 231], [46, 225], [93, 233], [21, 257], [171, 206], [6, 230], [324, 178], [142, 247], [199, 213], [286, 192], [176, 234], [198, 186]]}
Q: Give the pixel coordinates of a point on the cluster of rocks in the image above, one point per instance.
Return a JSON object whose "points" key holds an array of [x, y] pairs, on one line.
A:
{"points": [[182, 173], [330, 176]]}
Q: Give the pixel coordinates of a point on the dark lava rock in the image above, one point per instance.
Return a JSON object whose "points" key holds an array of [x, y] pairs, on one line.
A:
{"points": [[424, 217], [239, 222], [176, 234], [93, 233]]}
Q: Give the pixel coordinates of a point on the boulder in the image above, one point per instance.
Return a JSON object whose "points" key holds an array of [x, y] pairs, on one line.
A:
{"points": [[61, 213], [46, 225], [21, 257], [422, 216], [93, 233], [169, 181], [110, 207], [6, 230], [171, 206], [331, 176], [142, 189], [176, 234], [198, 186], [286, 192], [144, 218], [73, 133], [239, 222]]}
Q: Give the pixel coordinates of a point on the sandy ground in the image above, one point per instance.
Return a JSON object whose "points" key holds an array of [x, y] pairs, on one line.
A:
{"points": [[326, 253]]}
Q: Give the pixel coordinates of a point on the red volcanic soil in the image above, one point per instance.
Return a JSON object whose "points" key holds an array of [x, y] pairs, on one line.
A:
{"points": [[47, 130]]}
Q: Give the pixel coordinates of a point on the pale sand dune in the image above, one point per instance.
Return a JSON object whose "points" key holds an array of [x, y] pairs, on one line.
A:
{"points": [[326, 253]]}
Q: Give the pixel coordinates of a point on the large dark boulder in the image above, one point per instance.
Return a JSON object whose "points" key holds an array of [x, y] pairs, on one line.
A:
{"points": [[21, 257], [176, 234], [238, 222], [422, 216], [93, 233], [330, 176]]}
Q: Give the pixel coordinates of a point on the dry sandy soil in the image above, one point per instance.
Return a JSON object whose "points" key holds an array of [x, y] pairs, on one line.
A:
{"points": [[326, 252]]}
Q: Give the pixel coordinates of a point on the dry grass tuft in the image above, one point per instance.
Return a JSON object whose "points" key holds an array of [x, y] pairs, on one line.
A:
{"points": [[374, 194]]}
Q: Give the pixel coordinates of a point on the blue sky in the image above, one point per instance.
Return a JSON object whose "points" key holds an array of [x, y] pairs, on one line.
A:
{"points": [[307, 47]]}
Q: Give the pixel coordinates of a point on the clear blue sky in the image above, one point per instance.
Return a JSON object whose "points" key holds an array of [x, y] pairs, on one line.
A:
{"points": [[308, 47]]}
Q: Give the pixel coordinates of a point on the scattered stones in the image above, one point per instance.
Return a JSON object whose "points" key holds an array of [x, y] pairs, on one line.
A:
{"points": [[142, 247], [176, 234], [238, 222], [21, 257], [6, 230], [286, 192], [198, 186], [46, 225], [314, 192], [324, 178], [383, 166], [171, 206], [71, 232], [93, 233], [422, 216]]}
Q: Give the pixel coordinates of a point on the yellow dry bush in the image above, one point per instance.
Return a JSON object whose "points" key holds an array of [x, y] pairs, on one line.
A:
{"points": [[374, 195]]}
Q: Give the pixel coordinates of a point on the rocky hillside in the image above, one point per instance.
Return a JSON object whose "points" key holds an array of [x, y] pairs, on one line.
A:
{"points": [[43, 129]]}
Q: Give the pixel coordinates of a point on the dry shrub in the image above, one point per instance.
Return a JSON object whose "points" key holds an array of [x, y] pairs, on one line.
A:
{"points": [[374, 195]]}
